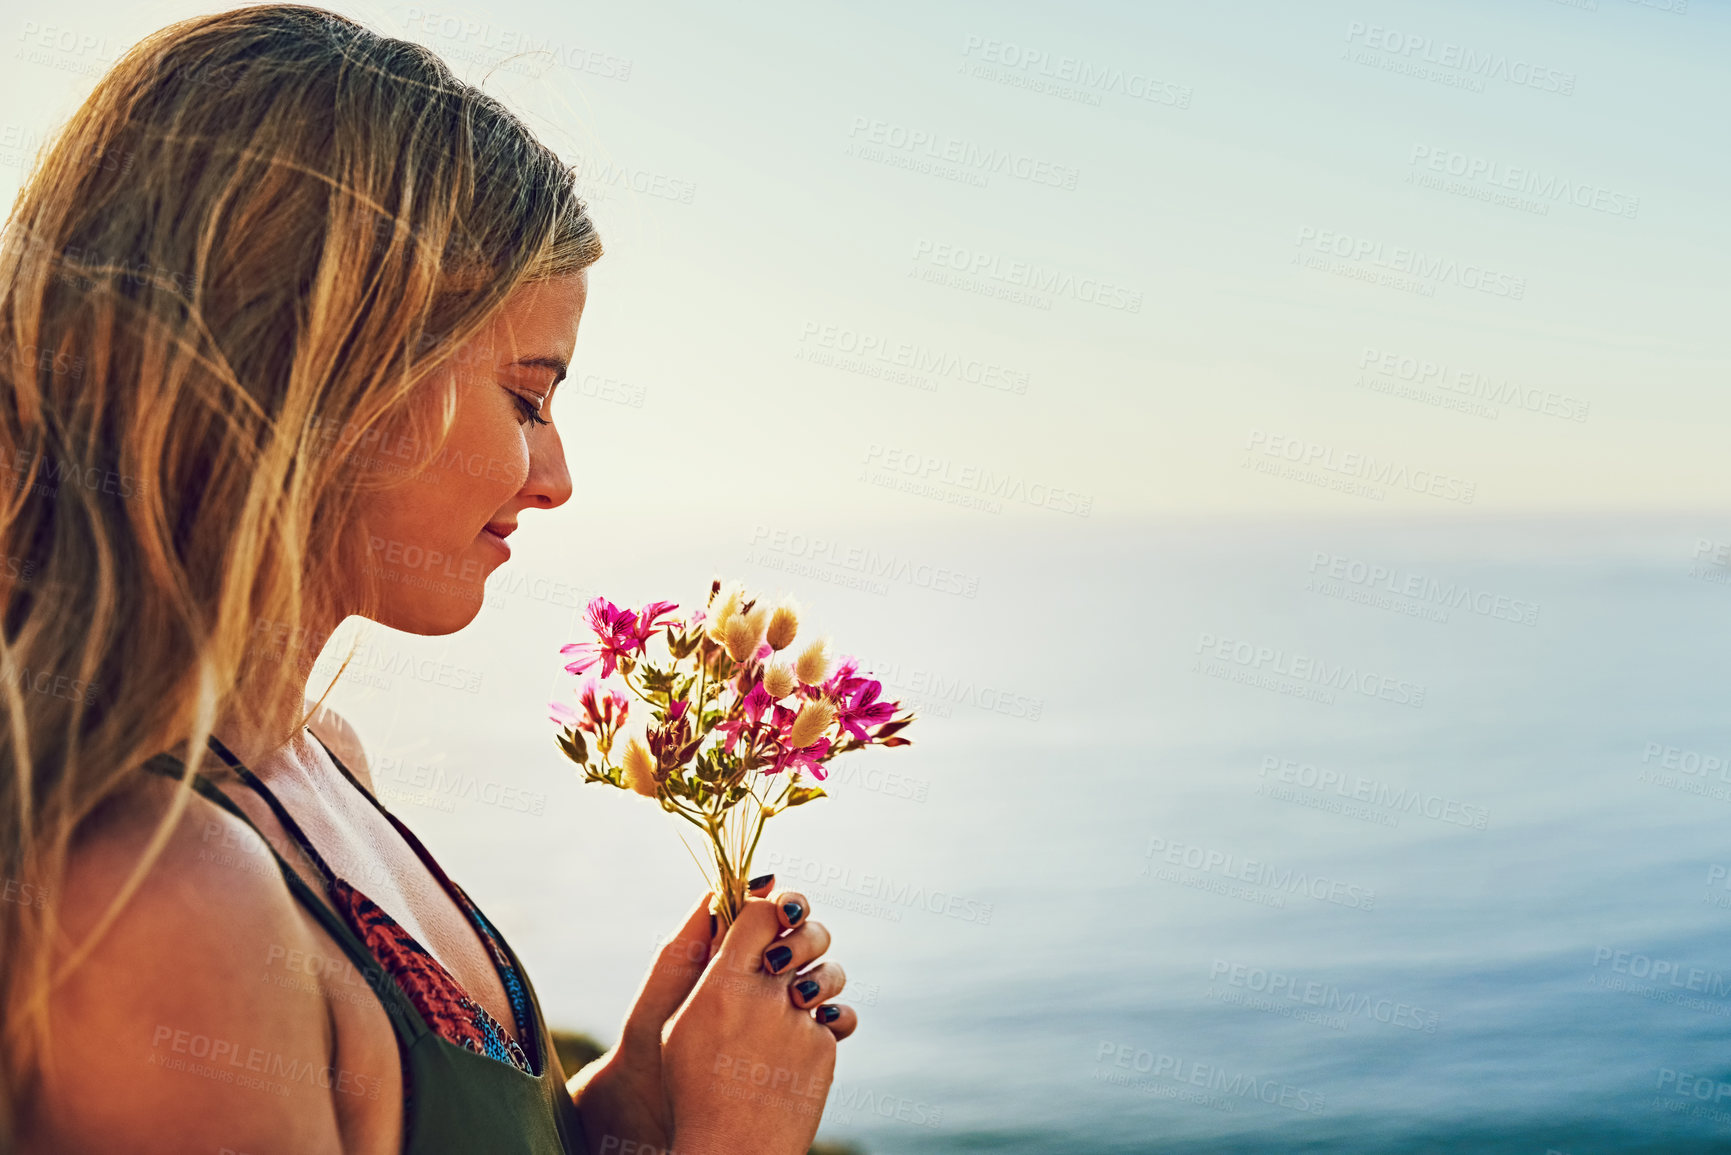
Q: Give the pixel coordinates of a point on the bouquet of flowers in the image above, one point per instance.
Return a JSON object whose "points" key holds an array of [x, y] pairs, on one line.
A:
{"points": [[737, 731]]}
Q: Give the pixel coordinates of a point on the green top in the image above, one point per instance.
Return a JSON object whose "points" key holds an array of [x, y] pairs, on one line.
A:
{"points": [[461, 1102]]}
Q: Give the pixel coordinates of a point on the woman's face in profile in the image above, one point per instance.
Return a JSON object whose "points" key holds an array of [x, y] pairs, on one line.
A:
{"points": [[429, 546]]}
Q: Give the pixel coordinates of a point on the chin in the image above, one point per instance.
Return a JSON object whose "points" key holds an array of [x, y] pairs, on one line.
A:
{"points": [[439, 596], [432, 615]]}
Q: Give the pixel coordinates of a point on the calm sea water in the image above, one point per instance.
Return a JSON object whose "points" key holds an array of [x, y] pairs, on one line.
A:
{"points": [[1138, 887]]}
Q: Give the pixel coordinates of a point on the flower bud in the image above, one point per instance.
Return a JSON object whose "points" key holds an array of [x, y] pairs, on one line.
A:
{"points": [[640, 768], [814, 663], [813, 719], [783, 625], [744, 632], [722, 607], [778, 681]]}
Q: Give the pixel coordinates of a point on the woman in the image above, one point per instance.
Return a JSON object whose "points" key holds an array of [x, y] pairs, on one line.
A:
{"points": [[282, 312]]}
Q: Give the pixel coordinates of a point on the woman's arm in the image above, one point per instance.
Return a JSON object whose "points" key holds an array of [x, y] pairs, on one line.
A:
{"points": [[165, 1040]]}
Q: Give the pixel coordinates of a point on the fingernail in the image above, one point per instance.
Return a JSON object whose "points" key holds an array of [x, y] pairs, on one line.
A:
{"points": [[793, 910], [713, 923], [761, 880], [777, 957], [828, 1014], [807, 990]]}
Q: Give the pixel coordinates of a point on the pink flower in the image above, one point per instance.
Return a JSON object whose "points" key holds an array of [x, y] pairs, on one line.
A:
{"points": [[859, 707], [602, 711], [648, 618], [842, 680], [752, 707], [807, 757], [810, 756], [562, 713], [756, 702], [619, 634]]}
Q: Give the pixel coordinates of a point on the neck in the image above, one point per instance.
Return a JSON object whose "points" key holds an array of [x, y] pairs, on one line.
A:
{"points": [[266, 731]]}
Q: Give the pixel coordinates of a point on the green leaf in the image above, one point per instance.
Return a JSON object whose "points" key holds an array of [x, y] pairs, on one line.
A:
{"points": [[800, 795]]}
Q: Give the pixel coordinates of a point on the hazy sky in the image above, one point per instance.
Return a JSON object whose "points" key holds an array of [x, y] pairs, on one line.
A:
{"points": [[1109, 258]]}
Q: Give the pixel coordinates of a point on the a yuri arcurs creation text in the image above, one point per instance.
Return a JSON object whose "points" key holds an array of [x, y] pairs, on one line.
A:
{"points": [[739, 731]]}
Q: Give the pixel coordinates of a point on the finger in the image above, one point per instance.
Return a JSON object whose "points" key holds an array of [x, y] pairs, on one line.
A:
{"points": [[758, 886], [838, 1017], [817, 985], [796, 948], [676, 968], [791, 906], [756, 926]]}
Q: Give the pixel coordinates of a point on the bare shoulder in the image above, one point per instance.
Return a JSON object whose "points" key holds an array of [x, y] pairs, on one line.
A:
{"points": [[334, 730], [173, 1013]]}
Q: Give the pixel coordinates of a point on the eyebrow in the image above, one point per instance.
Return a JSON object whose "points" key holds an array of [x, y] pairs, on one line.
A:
{"points": [[559, 367]]}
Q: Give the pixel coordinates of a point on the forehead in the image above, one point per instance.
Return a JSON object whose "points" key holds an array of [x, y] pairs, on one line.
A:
{"points": [[544, 313]]}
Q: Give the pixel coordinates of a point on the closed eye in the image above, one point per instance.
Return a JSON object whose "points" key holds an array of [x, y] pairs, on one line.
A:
{"points": [[531, 411]]}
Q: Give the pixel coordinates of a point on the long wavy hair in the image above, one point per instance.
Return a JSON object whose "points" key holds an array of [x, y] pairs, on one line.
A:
{"points": [[235, 271]]}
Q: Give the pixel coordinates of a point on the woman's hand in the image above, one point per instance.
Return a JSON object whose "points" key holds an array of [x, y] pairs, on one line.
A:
{"points": [[626, 1094], [748, 1057]]}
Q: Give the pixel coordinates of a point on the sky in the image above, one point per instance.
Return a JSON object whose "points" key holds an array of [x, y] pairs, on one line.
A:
{"points": [[994, 289], [806, 205]]}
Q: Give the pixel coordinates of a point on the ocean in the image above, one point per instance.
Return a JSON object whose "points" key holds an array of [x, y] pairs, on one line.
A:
{"points": [[1271, 836]]}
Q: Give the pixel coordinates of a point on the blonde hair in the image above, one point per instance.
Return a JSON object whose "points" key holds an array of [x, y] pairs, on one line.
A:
{"points": [[263, 225]]}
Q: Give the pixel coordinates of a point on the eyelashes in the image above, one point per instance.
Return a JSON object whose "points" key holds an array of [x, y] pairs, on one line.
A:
{"points": [[531, 411]]}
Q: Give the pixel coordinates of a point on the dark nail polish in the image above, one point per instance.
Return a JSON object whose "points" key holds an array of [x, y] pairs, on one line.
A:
{"points": [[761, 880], [807, 989], [776, 957], [713, 923], [793, 910], [828, 1014]]}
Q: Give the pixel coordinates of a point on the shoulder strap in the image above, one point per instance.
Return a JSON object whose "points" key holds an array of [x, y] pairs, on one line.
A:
{"points": [[404, 1020], [415, 844], [282, 815]]}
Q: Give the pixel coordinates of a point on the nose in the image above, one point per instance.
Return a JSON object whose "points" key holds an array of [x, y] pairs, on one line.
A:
{"points": [[549, 481]]}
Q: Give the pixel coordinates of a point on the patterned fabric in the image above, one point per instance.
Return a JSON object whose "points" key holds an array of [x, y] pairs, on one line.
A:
{"points": [[432, 989], [515, 991]]}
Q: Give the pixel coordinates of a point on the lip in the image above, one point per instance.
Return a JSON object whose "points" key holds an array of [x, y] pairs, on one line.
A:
{"points": [[496, 538]]}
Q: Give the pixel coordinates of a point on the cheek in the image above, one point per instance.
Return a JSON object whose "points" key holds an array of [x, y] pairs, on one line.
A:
{"points": [[482, 464]]}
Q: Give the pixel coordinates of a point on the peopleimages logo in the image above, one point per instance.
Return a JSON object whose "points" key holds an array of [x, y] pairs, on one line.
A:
{"points": [[1419, 588], [1090, 78], [931, 470], [868, 346], [1518, 178], [931, 144], [1207, 860], [1471, 383], [1026, 275], [1328, 996], [1472, 62], [1362, 467], [1423, 266], [1305, 668], [1358, 788], [1670, 971]]}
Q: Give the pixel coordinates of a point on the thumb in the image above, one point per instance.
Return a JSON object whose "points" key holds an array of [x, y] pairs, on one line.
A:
{"points": [[675, 971]]}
